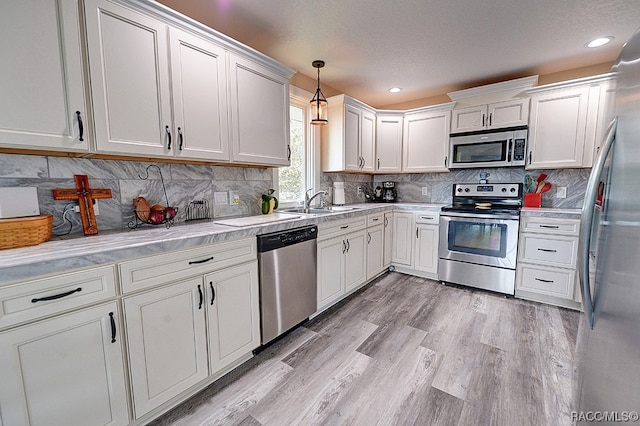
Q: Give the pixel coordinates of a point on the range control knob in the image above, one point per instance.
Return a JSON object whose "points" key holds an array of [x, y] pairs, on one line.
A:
{"points": [[459, 189], [467, 190], [504, 189], [512, 190]]}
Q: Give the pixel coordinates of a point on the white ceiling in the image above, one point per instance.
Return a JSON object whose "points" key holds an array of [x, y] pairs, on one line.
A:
{"points": [[427, 47]]}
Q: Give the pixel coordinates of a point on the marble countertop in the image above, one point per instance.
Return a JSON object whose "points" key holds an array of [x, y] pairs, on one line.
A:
{"points": [[551, 212], [59, 255]]}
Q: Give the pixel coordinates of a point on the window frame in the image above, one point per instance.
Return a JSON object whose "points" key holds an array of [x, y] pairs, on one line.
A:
{"points": [[300, 98]]}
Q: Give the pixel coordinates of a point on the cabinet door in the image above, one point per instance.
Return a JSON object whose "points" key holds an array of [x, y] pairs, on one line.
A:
{"points": [[426, 140], [605, 113], [508, 114], [355, 260], [426, 258], [389, 144], [199, 83], [557, 129], [129, 70], [64, 371], [375, 251], [41, 77], [167, 342], [352, 137], [259, 102], [233, 317], [388, 238], [368, 141], [331, 264], [402, 238], [469, 119]]}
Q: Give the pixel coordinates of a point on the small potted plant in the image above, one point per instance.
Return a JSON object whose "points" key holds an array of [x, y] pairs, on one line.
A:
{"points": [[269, 202]]}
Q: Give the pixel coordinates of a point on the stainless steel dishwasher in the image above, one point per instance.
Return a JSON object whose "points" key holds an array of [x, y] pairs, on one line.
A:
{"points": [[288, 290]]}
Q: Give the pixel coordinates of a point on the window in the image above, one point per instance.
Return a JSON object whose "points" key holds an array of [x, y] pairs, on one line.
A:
{"points": [[301, 175]]}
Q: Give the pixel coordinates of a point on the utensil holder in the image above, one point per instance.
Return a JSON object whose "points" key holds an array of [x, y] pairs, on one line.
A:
{"points": [[533, 200]]}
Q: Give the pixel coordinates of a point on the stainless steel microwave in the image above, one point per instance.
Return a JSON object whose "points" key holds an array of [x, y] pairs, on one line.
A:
{"points": [[488, 148]]}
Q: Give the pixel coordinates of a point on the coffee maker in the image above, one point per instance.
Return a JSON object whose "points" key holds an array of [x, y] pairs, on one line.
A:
{"points": [[389, 194]]}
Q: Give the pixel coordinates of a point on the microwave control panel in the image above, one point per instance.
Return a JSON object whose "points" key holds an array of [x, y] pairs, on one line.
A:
{"points": [[519, 149]]}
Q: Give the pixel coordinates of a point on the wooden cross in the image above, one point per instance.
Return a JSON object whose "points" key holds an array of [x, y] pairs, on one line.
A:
{"points": [[84, 195]]}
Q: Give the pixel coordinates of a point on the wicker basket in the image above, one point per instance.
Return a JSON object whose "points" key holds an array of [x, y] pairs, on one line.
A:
{"points": [[25, 231]]}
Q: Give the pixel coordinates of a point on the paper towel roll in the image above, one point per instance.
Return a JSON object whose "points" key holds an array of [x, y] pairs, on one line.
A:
{"points": [[338, 193]]}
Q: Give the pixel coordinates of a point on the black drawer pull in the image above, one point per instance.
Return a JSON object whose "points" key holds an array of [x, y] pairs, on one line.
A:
{"points": [[549, 226], [113, 327], [548, 250], [544, 281], [56, 296], [427, 217], [375, 219], [344, 227], [201, 296], [195, 262], [80, 126], [213, 292]]}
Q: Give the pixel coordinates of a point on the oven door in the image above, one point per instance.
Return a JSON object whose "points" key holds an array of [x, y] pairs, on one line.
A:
{"points": [[479, 239]]}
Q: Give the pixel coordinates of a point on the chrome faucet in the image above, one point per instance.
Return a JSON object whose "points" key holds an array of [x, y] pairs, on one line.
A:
{"points": [[308, 200]]}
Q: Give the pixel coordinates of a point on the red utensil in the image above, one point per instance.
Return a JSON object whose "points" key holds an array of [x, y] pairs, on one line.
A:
{"points": [[546, 187], [541, 177]]}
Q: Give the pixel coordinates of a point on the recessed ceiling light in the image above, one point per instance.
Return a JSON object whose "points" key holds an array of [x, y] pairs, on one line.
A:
{"points": [[600, 41], [395, 90]]}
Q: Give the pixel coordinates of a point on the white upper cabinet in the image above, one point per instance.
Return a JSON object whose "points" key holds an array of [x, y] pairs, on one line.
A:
{"points": [[389, 143], [259, 102], [41, 81], [568, 121], [348, 141], [426, 140], [199, 83], [514, 112], [129, 70]]}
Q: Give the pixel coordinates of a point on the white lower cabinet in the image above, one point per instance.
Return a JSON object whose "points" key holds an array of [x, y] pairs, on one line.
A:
{"points": [[375, 246], [233, 314], [415, 243], [67, 370], [547, 254], [402, 241], [167, 342]]}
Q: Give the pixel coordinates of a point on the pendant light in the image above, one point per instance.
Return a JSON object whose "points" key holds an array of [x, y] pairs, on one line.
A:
{"points": [[318, 103]]}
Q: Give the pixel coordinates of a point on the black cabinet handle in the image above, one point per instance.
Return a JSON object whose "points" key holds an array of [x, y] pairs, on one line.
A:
{"points": [[416, 232], [195, 262], [547, 250], [213, 292], [544, 281], [180, 138], [168, 137], [510, 149], [201, 296], [482, 120], [378, 164], [80, 126], [56, 296], [445, 161], [368, 238], [490, 118], [288, 152], [530, 157], [344, 227], [348, 245], [344, 246], [113, 327], [386, 221]]}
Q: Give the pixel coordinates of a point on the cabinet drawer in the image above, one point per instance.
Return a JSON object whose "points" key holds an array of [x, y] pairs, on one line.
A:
{"points": [[39, 298], [550, 281], [427, 217], [559, 251], [375, 219], [161, 269], [543, 225], [339, 227]]}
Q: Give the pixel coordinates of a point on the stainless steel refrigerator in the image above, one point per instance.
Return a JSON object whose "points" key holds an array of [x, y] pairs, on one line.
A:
{"points": [[608, 347]]}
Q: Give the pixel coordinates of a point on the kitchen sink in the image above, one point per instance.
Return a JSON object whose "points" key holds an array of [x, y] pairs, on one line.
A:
{"points": [[319, 210]]}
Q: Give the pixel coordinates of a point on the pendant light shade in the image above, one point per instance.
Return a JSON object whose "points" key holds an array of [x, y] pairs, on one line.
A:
{"points": [[319, 102]]}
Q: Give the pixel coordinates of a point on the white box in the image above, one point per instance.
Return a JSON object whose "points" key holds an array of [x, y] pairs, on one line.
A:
{"points": [[19, 202]]}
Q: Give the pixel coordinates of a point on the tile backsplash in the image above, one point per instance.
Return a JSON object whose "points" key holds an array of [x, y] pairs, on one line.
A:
{"points": [[187, 182], [183, 182]]}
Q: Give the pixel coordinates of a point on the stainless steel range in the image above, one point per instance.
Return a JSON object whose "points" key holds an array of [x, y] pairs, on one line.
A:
{"points": [[479, 236]]}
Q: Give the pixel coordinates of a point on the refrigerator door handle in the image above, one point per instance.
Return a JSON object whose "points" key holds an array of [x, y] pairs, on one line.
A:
{"points": [[586, 221]]}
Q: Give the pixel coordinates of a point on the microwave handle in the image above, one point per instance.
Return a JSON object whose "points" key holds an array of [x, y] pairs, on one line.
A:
{"points": [[510, 151]]}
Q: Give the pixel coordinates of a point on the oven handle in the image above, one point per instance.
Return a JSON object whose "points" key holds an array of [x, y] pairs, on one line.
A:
{"points": [[479, 216]]}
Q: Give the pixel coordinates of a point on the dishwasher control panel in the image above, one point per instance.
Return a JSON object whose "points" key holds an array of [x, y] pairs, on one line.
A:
{"points": [[274, 240]]}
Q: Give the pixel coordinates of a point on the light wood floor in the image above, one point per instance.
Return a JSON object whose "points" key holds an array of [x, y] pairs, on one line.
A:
{"points": [[405, 351]]}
